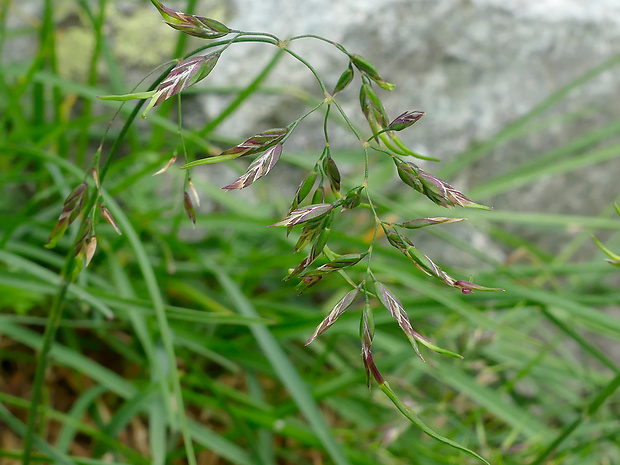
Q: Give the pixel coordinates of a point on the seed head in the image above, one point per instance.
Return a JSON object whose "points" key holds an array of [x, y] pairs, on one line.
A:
{"points": [[373, 108], [338, 310], [345, 79], [110, 219], [258, 168], [185, 74], [437, 190], [257, 143], [333, 174], [197, 26], [70, 210], [405, 120], [305, 214], [369, 70], [189, 208]]}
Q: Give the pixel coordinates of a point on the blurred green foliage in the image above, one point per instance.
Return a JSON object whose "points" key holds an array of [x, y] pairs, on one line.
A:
{"points": [[537, 384]]}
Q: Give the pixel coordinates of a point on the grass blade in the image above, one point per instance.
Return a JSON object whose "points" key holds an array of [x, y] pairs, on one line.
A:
{"points": [[281, 364]]}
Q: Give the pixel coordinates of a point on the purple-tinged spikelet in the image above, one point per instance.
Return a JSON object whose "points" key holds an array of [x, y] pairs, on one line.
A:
{"points": [[405, 120], [393, 305], [257, 143], [110, 219], [189, 208], [258, 168], [70, 211], [423, 222], [332, 316], [437, 190], [305, 214], [197, 26], [185, 74]]}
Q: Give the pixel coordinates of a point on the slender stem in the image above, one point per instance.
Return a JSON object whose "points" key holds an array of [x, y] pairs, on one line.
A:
{"points": [[259, 34], [181, 138], [377, 134], [325, 132], [241, 38], [348, 121], [365, 145], [308, 113], [53, 321], [323, 39], [310, 67], [411, 416]]}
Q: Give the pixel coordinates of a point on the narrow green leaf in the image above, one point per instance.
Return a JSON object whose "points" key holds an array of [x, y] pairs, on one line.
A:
{"points": [[281, 364], [125, 97], [209, 160]]}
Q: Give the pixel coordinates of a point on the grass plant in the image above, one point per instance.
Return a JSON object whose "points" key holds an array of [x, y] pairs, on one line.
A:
{"points": [[169, 344]]}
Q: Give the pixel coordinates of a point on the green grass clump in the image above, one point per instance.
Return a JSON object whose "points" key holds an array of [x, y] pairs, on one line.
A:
{"points": [[174, 344]]}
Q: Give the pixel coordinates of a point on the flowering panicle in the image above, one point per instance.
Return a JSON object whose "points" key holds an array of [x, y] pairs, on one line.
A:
{"points": [[321, 196], [311, 208]]}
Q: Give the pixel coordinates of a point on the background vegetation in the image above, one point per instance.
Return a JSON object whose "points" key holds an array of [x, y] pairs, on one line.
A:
{"points": [[537, 385]]}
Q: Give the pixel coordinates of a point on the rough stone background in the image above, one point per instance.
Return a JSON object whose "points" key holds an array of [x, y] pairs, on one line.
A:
{"points": [[472, 65]]}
